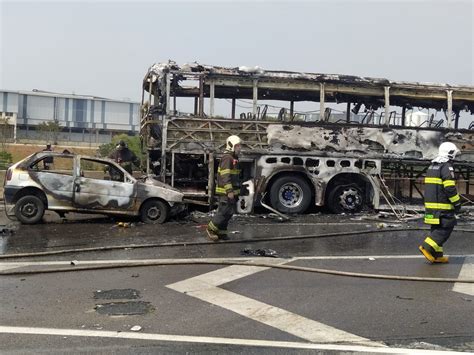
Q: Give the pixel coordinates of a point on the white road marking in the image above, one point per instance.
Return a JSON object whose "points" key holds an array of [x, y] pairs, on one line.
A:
{"points": [[217, 340], [204, 287], [467, 272]]}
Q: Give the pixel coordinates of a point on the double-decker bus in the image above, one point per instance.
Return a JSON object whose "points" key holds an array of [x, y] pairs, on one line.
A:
{"points": [[310, 139]]}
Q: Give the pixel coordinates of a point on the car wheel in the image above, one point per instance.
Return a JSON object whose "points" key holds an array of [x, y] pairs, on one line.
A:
{"points": [[290, 194], [29, 209], [346, 199], [154, 211]]}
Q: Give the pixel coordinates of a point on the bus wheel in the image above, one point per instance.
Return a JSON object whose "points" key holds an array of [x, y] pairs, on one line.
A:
{"points": [[290, 194], [346, 199]]}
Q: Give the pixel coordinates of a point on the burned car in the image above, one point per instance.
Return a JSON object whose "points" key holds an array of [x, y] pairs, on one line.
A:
{"points": [[74, 183]]}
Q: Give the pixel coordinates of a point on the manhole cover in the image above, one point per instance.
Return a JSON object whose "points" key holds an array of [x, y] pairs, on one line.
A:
{"points": [[124, 308], [123, 294]]}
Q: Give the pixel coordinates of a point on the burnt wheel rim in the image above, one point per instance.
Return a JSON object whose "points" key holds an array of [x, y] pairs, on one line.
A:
{"points": [[290, 195], [29, 209], [350, 199], [153, 213]]}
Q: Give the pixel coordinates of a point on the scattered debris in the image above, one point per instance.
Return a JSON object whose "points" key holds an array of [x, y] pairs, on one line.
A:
{"points": [[74, 262], [282, 216], [260, 252], [135, 275], [371, 259], [386, 225], [198, 214], [426, 346], [5, 230], [136, 328]]}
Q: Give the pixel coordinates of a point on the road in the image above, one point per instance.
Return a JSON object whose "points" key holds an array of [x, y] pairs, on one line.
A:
{"points": [[202, 304]]}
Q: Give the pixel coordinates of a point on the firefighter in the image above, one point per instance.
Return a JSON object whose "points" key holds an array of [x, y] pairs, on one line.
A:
{"points": [[124, 156], [48, 161], [442, 201], [228, 189]]}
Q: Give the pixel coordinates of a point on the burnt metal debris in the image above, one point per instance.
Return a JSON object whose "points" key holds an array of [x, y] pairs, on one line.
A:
{"points": [[340, 160]]}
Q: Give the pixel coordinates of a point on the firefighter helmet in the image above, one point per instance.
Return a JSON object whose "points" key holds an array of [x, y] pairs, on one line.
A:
{"points": [[448, 150], [231, 142]]}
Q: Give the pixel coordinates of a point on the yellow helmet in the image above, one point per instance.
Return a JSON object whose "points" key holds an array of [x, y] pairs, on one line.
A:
{"points": [[231, 142]]}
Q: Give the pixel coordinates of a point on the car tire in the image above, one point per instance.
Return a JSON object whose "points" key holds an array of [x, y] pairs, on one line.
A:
{"points": [[290, 194], [29, 209], [154, 211], [346, 199]]}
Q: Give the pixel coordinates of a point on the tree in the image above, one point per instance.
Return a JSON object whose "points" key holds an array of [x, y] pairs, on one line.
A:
{"points": [[50, 130], [133, 143], [5, 136]]}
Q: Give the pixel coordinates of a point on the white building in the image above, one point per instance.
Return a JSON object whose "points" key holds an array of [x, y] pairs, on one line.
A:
{"points": [[87, 119]]}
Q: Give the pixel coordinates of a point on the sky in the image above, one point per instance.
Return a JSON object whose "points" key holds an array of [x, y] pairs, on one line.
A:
{"points": [[104, 48]]}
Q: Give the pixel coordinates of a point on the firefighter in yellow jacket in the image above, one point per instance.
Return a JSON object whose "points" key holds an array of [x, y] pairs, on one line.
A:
{"points": [[442, 201], [227, 189]]}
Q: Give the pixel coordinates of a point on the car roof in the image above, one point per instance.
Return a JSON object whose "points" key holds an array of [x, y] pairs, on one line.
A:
{"points": [[38, 155]]}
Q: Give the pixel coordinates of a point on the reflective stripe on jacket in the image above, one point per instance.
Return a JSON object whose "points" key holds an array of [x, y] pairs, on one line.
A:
{"points": [[440, 192], [228, 175]]}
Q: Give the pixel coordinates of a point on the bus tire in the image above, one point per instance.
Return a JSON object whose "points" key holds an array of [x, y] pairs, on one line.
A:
{"points": [[290, 194], [346, 199]]}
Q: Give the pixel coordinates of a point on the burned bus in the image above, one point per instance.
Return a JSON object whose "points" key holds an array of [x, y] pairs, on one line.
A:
{"points": [[339, 141]]}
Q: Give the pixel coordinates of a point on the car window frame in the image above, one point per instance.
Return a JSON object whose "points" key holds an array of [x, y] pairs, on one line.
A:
{"points": [[128, 179], [46, 155]]}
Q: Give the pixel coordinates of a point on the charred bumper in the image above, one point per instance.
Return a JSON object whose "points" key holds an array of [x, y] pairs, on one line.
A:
{"points": [[9, 193]]}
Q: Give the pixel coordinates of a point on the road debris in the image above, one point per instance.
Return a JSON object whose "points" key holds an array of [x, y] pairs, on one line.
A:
{"points": [[136, 328], [259, 252], [6, 230], [386, 225]]}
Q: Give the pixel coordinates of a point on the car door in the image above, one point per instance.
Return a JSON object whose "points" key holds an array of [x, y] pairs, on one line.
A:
{"points": [[54, 174], [103, 186]]}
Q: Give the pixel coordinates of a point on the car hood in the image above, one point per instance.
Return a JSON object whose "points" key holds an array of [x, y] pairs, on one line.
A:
{"points": [[155, 188]]}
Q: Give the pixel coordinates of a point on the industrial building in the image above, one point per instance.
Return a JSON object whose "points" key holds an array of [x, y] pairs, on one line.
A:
{"points": [[83, 120]]}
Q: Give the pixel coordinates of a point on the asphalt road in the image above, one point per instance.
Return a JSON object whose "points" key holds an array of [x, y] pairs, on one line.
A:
{"points": [[196, 308]]}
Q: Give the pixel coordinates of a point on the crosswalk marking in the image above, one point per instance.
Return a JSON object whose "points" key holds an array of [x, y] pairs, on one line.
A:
{"points": [[205, 287]]}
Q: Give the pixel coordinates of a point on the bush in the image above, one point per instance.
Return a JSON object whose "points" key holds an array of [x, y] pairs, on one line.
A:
{"points": [[5, 160], [133, 143]]}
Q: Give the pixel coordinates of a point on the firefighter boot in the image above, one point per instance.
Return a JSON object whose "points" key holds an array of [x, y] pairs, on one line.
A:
{"points": [[431, 258], [212, 232], [441, 260], [212, 236]]}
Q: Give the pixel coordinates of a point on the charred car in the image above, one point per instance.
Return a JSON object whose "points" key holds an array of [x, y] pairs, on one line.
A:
{"points": [[74, 183]]}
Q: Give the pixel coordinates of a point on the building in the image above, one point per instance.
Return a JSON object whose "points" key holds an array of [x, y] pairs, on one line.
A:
{"points": [[82, 119]]}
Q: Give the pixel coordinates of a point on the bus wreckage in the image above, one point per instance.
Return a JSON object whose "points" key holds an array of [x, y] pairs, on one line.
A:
{"points": [[373, 152]]}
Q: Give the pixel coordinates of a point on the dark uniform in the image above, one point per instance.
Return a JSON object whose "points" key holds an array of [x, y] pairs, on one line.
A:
{"points": [[125, 157], [441, 202], [228, 180], [48, 161]]}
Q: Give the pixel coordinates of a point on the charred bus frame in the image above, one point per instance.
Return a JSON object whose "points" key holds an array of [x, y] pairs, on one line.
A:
{"points": [[375, 151]]}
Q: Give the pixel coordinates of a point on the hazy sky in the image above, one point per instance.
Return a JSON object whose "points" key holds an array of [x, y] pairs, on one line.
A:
{"points": [[104, 48]]}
